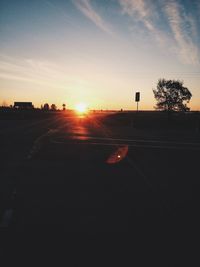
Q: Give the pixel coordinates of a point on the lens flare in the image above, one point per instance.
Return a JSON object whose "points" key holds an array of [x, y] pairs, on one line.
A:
{"points": [[119, 154]]}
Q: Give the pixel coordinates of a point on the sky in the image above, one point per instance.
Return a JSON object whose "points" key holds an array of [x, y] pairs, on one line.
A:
{"points": [[99, 52]]}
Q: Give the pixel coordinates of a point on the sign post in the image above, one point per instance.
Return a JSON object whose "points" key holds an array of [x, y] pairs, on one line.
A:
{"points": [[137, 98]]}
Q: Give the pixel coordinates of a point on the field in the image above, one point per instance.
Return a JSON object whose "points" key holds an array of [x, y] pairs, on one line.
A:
{"points": [[104, 172]]}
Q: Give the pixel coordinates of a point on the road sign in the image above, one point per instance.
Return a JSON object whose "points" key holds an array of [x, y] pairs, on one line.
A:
{"points": [[137, 97]]}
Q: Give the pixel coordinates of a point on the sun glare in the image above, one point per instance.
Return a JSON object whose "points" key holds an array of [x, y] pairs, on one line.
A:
{"points": [[81, 108]]}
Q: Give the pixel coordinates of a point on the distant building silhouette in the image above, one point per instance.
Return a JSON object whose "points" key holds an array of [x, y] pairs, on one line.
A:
{"points": [[23, 105]]}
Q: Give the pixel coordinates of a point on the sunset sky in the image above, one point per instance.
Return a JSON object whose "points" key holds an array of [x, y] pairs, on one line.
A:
{"points": [[99, 52]]}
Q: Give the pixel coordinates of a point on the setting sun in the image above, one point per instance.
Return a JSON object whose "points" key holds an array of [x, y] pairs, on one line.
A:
{"points": [[81, 107]]}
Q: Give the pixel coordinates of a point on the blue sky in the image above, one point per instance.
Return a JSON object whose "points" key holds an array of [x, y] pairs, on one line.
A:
{"points": [[96, 51]]}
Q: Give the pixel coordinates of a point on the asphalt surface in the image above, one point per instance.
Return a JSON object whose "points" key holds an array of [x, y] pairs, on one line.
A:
{"points": [[82, 176]]}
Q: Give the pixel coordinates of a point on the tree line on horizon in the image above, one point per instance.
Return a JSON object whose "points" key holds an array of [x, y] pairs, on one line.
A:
{"points": [[53, 107], [170, 95], [45, 107]]}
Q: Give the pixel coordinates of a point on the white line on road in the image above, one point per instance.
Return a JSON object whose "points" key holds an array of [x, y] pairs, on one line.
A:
{"points": [[132, 140], [130, 145]]}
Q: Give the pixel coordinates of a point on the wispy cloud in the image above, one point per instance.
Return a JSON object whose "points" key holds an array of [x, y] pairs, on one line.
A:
{"points": [[139, 10], [146, 13], [34, 71], [86, 8], [179, 22], [183, 27]]}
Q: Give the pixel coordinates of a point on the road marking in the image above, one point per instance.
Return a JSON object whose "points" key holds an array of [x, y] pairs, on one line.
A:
{"points": [[133, 140], [130, 145]]}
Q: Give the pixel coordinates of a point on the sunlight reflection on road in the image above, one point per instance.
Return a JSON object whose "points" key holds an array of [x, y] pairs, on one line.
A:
{"points": [[78, 129], [80, 132]]}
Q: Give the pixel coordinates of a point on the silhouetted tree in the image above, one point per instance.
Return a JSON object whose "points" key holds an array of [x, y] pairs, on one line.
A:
{"points": [[171, 95], [46, 106], [64, 107], [53, 107]]}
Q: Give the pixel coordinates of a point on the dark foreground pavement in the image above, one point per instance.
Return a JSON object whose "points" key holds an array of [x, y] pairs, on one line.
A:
{"points": [[81, 177], [60, 178]]}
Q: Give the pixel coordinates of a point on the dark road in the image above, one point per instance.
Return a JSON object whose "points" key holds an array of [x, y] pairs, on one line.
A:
{"points": [[80, 175]]}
